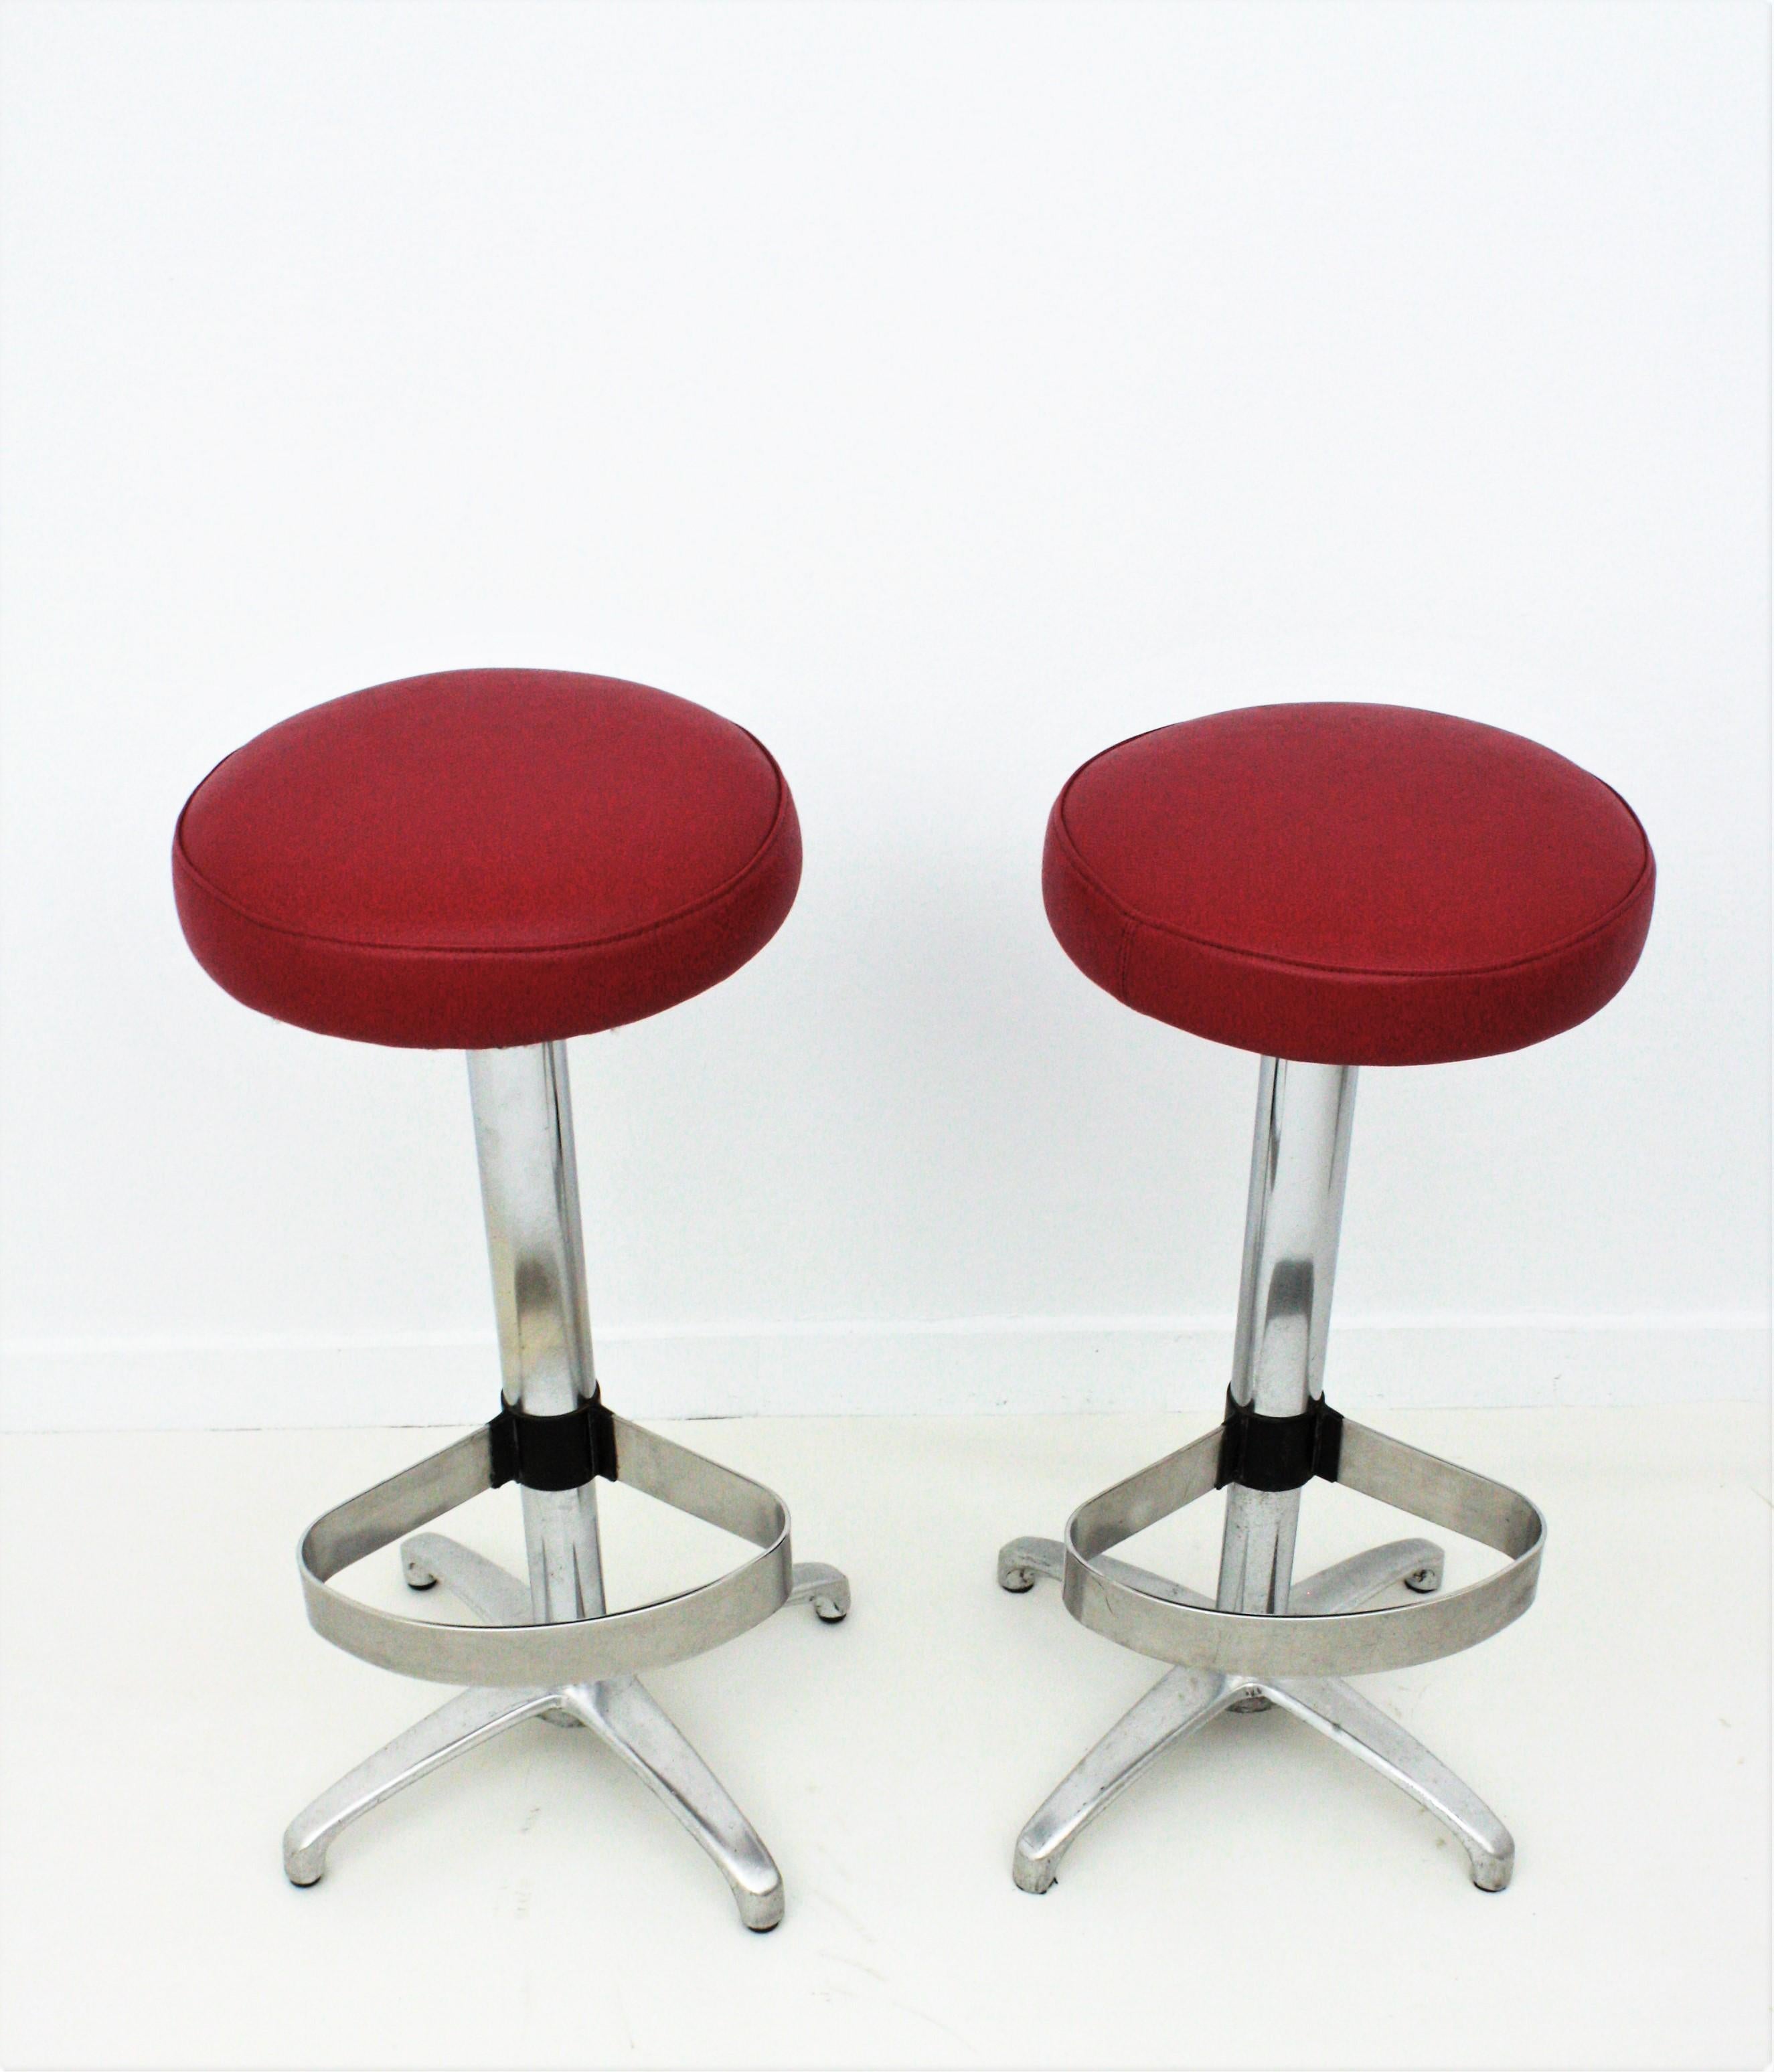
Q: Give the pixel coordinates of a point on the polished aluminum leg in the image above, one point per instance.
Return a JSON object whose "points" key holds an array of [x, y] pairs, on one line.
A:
{"points": [[524, 1135], [488, 1591], [1338, 1711], [469, 1719], [1299, 1164], [1020, 1561], [1417, 1564], [1175, 1706], [826, 1589], [624, 1714]]}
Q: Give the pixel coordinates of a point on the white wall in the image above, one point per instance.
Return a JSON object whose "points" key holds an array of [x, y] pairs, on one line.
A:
{"points": [[944, 392]]}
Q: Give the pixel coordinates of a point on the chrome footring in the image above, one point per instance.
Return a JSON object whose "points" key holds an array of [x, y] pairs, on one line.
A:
{"points": [[1153, 1617], [513, 1655]]}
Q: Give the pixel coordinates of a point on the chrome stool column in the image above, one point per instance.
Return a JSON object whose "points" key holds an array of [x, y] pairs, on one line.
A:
{"points": [[549, 1648], [1265, 1639]]}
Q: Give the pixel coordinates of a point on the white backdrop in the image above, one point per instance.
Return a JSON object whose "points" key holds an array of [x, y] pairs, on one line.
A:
{"points": [[944, 392]]}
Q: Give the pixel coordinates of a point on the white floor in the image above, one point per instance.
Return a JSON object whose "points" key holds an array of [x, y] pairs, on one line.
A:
{"points": [[1258, 1898]]}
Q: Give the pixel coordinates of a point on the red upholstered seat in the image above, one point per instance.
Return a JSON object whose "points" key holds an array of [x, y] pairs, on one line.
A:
{"points": [[1348, 884], [486, 857]]}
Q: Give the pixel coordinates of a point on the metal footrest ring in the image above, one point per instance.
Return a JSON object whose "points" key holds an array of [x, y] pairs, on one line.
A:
{"points": [[1100, 1596], [572, 1651]]}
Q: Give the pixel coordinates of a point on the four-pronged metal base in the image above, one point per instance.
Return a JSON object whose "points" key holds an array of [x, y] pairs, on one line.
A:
{"points": [[1186, 1699], [618, 1709]]}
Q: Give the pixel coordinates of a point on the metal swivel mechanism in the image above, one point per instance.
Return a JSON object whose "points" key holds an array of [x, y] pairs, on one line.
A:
{"points": [[548, 1647], [1264, 1639]]}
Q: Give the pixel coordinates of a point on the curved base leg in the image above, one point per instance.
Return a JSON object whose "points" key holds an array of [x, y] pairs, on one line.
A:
{"points": [[826, 1589], [1176, 1705], [1417, 1564], [624, 1716], [1338, 1711], [1020, 1561], [469, 1719], [488, 1591]]}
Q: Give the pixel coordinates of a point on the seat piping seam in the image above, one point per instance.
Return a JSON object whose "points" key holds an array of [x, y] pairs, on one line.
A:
{"points": [[1131, 919], [665, 923]]}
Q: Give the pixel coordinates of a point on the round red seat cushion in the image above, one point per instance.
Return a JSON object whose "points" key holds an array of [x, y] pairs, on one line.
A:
{"points": [[1348, 884], [486, 857]]}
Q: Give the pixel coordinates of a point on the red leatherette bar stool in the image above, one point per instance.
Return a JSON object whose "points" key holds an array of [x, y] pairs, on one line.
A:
{"points": [[493, 861], [1330, 886]]}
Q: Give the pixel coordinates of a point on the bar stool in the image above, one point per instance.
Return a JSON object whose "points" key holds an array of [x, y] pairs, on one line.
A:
{"points": [[493, 861], [1330, 887]]}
